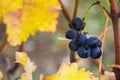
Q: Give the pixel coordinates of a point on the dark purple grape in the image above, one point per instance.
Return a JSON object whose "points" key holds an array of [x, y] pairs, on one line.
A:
{"points": [[81, 39], [71, 34], [95, 52], [77, 23], [99, 43], [84, 51], [73, 45], [94, 42]]}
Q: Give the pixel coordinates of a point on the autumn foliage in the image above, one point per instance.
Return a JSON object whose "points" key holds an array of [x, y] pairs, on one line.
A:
{"points": [[23, 18]]}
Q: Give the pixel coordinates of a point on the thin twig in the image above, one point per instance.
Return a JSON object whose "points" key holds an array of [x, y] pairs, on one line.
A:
{"points": [[21, 48], [72, 57], [107, 15], [104, 9], [113, 66], [97, 62], [95, 3], [103, 39], [65, 12], [102, 34], [76, 8], [4, 42], [87, 11]]}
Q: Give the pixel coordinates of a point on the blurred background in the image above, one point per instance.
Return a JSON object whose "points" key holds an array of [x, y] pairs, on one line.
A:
{"points": [[48, 52]]}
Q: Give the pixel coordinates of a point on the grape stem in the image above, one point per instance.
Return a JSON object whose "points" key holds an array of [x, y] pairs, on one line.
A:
{"points": [[76, 8], [72, 57], [66, 14]]}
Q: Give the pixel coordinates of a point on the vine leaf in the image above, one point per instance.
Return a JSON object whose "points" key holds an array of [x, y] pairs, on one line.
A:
{"points": [[24, 17], [70, 72], [6, 6], [29, 67]]}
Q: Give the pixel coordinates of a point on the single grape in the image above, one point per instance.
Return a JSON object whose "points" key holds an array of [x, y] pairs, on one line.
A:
{"points": [[71, 34], [94, 42], [73, 45], [84, 51], [99, 43], [77, 23], [95, 52], [81, 39]]}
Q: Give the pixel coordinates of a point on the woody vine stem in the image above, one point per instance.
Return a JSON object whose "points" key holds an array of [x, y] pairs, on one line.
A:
{"points": [[116, 29]]}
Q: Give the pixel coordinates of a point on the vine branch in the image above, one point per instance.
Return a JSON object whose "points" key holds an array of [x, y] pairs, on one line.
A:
{"points": [[3, 43], [21, 47], [72, 54], [116, 29], [65, 12]]}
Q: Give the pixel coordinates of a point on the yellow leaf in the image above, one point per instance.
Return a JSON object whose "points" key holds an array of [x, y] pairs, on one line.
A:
{"points": [[29, 66], [9, 5], [23, 77], [21, 58], [1, 75], [70, 72], [24, 17]]}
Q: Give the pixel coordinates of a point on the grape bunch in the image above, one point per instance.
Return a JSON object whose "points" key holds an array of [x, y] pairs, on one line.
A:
{"points": [[85, 47]]}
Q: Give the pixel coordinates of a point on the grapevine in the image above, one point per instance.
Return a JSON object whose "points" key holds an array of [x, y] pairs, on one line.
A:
{"points": [[23, 19]]}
